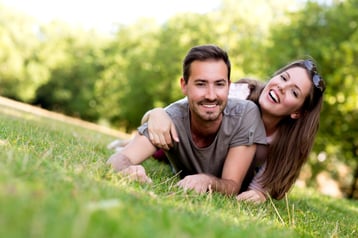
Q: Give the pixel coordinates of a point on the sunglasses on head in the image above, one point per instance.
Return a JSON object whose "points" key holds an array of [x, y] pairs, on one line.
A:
{"points": [[316, 78]]}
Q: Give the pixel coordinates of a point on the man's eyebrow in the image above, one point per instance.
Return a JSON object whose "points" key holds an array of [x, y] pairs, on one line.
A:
{"points": [[221, 80]]}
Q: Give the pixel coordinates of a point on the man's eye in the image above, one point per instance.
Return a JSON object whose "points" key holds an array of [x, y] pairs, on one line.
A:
{"points": [[283, 78]]}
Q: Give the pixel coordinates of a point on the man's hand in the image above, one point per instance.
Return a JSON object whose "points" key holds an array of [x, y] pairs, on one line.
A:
{"points": [[200, 183], [124, 166], [136, 173], [253, 196]]}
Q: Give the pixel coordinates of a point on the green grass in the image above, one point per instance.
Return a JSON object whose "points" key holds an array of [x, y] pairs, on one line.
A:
{"points": [[54, 183]]}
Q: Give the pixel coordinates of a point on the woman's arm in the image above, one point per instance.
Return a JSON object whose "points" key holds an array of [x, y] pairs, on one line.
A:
{"points": [[145, 117], [161, 128], [255, 193]]}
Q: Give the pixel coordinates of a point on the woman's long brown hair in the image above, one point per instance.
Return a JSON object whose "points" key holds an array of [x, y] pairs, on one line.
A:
{"points": [[294, 139]]}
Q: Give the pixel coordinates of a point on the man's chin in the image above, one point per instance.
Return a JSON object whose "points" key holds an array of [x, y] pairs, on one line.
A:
{"points": [[210, 116]]}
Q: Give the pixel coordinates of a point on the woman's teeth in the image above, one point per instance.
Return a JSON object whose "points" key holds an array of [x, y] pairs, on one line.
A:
{"points": [[273, 96]]}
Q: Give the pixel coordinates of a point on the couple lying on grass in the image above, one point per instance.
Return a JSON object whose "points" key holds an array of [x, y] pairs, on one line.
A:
{"points": [[218, 141]]}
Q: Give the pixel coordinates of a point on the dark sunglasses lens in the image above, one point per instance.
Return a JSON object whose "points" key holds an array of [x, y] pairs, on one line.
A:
{"points": [[309, 65], [318, 82]]}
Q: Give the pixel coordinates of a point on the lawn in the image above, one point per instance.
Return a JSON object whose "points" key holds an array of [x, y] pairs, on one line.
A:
{"points": [[54, 182]]}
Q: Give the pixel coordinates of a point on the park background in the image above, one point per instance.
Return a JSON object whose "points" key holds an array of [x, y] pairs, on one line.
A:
{"points": [[112, 78]]}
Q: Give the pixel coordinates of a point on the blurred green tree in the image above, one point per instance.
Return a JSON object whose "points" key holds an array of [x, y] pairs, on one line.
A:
{"points": [[75, 59]]}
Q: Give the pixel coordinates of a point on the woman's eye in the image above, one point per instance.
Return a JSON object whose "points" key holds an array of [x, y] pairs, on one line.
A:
{"points": [[283, 78], [295, 93]]}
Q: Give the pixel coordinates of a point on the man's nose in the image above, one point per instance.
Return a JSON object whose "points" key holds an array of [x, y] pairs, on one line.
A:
{"points": [[210, 93]]}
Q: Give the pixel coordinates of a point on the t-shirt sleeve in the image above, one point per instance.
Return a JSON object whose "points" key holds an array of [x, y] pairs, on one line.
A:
{"points": [[257, 133], [251, 128], [239, 90], [174, 105]]}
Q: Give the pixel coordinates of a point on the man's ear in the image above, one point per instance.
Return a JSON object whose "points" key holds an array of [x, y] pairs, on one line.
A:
{"points": [[183, 85], [295, 115]]}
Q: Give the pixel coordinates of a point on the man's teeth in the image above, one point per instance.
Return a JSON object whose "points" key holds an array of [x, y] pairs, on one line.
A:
{"points": [[273, 96], [210, 105]]}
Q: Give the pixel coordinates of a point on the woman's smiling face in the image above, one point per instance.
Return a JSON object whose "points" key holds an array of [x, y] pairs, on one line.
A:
{"points": [[285, 93]]}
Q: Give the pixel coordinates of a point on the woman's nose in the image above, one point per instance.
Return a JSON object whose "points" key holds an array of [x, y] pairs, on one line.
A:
{"points": [[281, 88]]}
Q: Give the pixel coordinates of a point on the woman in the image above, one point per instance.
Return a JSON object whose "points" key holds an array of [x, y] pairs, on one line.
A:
{"points": [[290, 104]]}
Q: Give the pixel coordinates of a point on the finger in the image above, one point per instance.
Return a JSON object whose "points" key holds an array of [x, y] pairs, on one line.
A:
{"points": [[163, 142], [188, 185], [249, 196], [173, 132], [150, 136], [146, 179], [142, 176], [168, 140], [257, 196], [243, 196], [184, 184], [255, 200], [200, 189], [180, 185], [138, 173], [158, 141]]}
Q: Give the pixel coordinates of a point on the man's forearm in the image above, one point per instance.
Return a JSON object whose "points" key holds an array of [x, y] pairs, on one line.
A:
{"points": [[225, 186]]}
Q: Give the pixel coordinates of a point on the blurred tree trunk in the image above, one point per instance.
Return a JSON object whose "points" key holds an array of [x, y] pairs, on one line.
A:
{"points": [[355, 178], [351, 195]]}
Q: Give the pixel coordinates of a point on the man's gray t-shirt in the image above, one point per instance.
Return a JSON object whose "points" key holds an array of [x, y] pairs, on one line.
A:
{"points": [[241, 125]]}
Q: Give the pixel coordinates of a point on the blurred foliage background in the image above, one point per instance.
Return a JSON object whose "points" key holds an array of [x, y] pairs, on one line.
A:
{"points": [[114, 79]]}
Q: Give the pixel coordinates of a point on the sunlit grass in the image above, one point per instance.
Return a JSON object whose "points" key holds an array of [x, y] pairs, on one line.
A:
{"points": [[54, 183]]}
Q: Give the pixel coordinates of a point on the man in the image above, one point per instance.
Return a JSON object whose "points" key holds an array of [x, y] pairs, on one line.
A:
{"points": [[217, 135]]}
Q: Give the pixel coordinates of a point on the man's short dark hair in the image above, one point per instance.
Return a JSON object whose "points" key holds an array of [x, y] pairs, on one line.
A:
{"points": [[202, 53]]}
